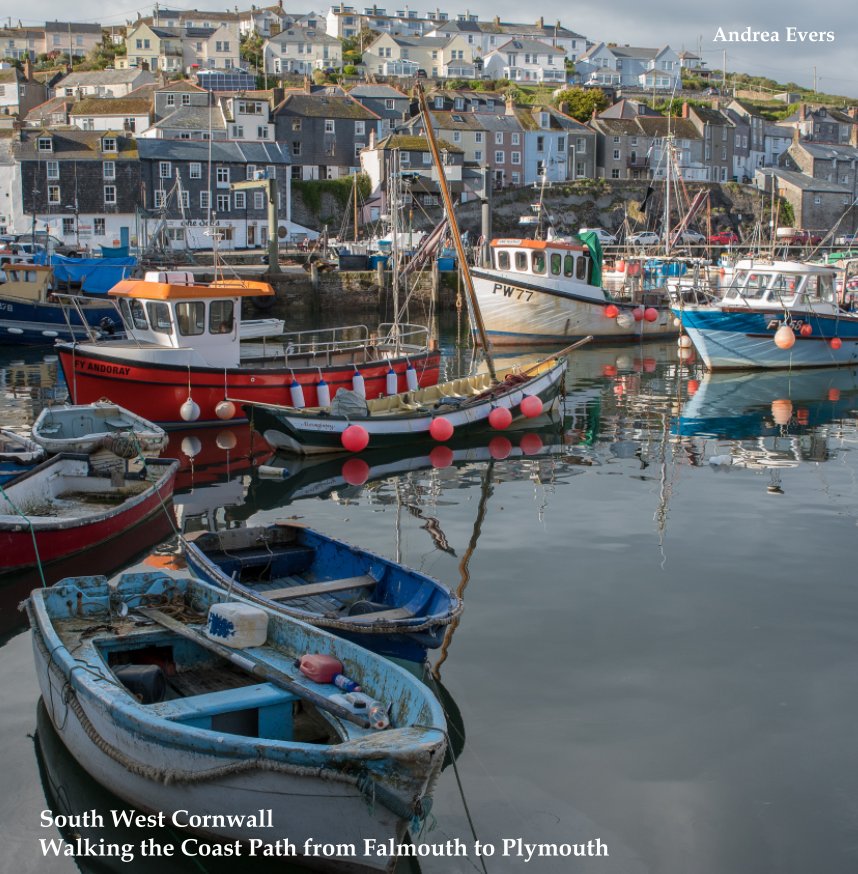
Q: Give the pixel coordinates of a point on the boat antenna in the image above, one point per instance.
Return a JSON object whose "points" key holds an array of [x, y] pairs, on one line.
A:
{"points": [[454, 232]]}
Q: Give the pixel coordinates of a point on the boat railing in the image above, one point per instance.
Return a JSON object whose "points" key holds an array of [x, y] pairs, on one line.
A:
{"points": [[408, 337], [78, 303]]}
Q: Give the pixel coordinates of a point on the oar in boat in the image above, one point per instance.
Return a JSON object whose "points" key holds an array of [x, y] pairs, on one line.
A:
{"points": [[255, 667], [562, 353]]}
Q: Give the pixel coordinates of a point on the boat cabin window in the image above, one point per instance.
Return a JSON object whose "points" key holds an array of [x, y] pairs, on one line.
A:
{"points": [[138, 315], [756, 286], [503, 260], [159, 318], [539, 262], [521, 261], [220, 317], [556, 263], [581, 268], [784, 286], [191, 317], [821, 287], [568, 265]]}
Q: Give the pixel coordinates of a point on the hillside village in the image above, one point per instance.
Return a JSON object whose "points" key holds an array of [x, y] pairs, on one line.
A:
{"points": [[105, 130]]}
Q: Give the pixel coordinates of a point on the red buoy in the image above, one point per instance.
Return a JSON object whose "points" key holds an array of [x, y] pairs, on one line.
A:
{"points": [[638, 313], [355, 471], [609, 370], [806, 330], [651, 314], [784, 337], [693, 385], [355, 438], [611, 312], [500, 418], [835, 342], [834, 394], [441, 428], [531, 406]]}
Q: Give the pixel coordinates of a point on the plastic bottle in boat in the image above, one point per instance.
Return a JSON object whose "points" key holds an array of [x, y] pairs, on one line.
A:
{"points": [[346, 683], [377, 716]]}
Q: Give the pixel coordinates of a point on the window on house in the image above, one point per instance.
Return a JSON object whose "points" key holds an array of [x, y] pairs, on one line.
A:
{"points": [[389, 104], [478, 137], [516, 159], [52, 169], [516, 139], [616, 139], [240, 200], [109, 169], [262, 132], [561, 144], [160, 197], [360, 128], [222, 175], [45, 144], [358, 148], [163, 169], [616, 154], [296, 124], [98, 227], [329, 126], [170, 99], [186, 100], [195, 170], [540, 144], [204, 200], [53, 194], [259, 200], [110, 194], [108, 144], [478, 155], [499, 157], [223, 203], [457, 136], [615, 173], [68, 226], [296, 148]]}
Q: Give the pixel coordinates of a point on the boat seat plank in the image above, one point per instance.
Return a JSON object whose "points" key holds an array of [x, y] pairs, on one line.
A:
{"points": [[118, 423], [289, 592], [383, 615], [250, 557], [274, 706]]}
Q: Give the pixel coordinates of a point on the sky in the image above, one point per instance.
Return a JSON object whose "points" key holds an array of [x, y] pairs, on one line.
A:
{"points": [[679, 23]]}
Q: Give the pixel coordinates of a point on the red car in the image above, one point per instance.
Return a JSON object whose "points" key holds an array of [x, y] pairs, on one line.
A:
{"points": [[724, 238]]}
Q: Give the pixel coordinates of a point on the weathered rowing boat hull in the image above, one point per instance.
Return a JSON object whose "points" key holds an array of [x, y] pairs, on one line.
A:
{"points": [[57, 538], [516, 312], [158, 391]]}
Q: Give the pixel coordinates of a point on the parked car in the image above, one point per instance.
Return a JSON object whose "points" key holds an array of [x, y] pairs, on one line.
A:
{"points": [[602, 235], [847, 240], [724, 238], [796, 237], [421, 73], [692, 238], [644, 238]]}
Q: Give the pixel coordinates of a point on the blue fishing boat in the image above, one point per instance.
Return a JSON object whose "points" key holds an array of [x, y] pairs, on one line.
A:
{"points": [[191, 703], [31, 314], [775, 314], [302, 573]]}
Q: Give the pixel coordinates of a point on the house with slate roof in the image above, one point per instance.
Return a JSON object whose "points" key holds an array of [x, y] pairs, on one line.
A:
{"points": [[51, 113], [630, 66], [102, 83], [824, 124], [717, 132], [818, 204], [323, 133], [403, 56], [266, 21], [184, 47], [390, 104], [526, 60], [186, 184], [749, 144], [18, 93], [83, 185], [301, 50], [824, 162], [71, 37]]}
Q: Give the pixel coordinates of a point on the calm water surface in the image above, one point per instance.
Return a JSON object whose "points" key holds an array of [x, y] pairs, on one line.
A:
{"points": [[660, 640]]}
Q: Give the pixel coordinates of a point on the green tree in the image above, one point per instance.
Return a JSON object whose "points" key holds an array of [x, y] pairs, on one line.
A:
{"points": [[580, 102]]}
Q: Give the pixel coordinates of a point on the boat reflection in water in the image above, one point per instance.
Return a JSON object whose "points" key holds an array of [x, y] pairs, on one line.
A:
{"points": [[766, 420]]}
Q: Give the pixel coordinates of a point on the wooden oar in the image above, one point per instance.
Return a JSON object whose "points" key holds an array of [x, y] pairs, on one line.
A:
{"points": [[255, 667], [561, 354]]}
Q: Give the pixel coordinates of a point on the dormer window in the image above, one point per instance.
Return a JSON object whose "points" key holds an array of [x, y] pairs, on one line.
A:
{"points": [[45, 144], [108, 144]]}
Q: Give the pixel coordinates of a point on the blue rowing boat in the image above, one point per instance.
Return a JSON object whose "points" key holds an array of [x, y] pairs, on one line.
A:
{"points": [[181, 699], [388, 608]]}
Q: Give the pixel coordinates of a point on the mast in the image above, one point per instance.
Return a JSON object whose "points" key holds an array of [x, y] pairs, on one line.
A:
{"points": [[355, 205], [394, 189], [454, 231]]}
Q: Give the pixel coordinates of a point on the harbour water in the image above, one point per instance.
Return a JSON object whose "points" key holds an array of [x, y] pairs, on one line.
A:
{"points": [[659, 648]]}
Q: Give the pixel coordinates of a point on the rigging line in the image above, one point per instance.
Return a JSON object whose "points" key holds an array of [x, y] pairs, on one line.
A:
{"points": [[29, 523]]}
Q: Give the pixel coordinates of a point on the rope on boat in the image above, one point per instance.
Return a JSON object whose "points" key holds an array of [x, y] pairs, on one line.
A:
{"points": [[32, 534]]}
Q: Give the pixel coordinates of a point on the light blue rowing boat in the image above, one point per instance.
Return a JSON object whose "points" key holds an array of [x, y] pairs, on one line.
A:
{"points": [[153, 703]]}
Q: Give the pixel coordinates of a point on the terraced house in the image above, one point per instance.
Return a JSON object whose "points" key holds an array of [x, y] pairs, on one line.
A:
{"points": [[301, 50], [83, 185], [323, 132]]}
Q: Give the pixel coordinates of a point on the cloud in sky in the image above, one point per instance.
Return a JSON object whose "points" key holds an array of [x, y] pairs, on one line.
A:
{"points": [[634, 22]]}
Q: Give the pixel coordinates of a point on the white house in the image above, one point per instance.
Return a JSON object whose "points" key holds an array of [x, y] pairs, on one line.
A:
{"points": [[301, 50], [103, 83], [630, 66], [526, 61], [131, 114]]}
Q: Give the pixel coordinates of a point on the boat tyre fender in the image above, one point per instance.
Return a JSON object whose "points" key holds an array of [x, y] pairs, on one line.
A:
{"points": [[263, 303]]}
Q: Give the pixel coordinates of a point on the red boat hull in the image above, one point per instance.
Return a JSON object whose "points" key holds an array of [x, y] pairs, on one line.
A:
{"points": [[17, 551], [157, 392]]}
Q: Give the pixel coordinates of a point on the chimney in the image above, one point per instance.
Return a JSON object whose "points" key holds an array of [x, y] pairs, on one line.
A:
{"points": [[307, 84], [684, 110], [372, 139], [802, 112], [540, 22], [496, 20], [510, 106], [144, 65], [853, 134], [564, 108], [28, 69]]}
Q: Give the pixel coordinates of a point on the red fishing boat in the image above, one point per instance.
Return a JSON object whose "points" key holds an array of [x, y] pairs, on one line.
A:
{"points": [[64, 506], [183, 356]]}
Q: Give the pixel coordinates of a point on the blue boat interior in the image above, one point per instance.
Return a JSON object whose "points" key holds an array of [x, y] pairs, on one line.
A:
{"points": [[186, 683]]}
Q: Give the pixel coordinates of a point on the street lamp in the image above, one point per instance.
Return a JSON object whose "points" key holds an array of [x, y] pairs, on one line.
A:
{"points": [[74, 210]]}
